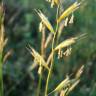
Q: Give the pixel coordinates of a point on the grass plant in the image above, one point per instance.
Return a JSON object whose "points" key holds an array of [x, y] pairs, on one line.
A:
{"points": [[47, 63]]}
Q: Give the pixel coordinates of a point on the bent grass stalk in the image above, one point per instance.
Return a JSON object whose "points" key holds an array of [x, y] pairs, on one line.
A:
{"points": [[43, 55], [2, 41], [52, 60], [1, 76], [51, 67]]}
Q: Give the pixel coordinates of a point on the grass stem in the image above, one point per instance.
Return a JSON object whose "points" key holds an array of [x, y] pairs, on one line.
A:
{"points": [[1, 76], [52, 60]]}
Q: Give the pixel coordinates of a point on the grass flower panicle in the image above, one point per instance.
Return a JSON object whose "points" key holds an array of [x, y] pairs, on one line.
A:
{"points": [[68, 84]]}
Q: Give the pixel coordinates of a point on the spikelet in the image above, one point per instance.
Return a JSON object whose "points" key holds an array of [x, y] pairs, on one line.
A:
{"points": [[68, 11], [38, 58], [79, 72], [71, 19], [67, 52], [3, 41], [32, 66], [66, 43], [60, 30], [62, 85], [41, 27], [48, 0], [56, 1], [66, 22], [63, 92], [7, 55], [53, 2], [73, 86], [1, 38], [45, 21], [60, 53], [48, 40], [40, 70]]}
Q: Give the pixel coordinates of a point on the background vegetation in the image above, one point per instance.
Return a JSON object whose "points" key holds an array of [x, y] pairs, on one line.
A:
{"points": [[21, 25]]}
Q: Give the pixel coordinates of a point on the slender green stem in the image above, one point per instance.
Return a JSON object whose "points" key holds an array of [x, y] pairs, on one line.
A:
{"points": [[57, 15], [43, 55], [51, 67], [52, 59], [1, 76], [57, 26], [39, 84]]}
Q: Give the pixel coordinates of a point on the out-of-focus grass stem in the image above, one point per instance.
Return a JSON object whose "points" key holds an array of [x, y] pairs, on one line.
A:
{"points": [[52, 60], [1, 76]]}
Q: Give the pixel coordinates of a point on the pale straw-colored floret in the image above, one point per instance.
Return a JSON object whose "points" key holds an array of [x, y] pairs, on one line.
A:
{"points": [[66, 43], [62, 85], [66, 22], [38, 58], [71, 21], [45, 21], [67, 52], [2, 40], [53, 2], [79, 72], [63, 92], [73, 86], [40, 70], [68, 11], [41, 27]]}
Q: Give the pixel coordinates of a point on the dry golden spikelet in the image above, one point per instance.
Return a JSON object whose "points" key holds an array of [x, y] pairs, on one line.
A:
{"points": [[66, 22], [73, 86], [71, 21], [79, 72], [1, 13], [60, 53], [1, 43], [5, 42], [63, 92], [82, 36], [66, 43], [68, 11], [7, 55], [48, 40], [32, 66], [48, 0], [2, 40], [1, 32], [38, 58], [62, 85], [41, 27], [60, 30], [49, 58], [45, 21], [56, 1], [40, 70], [67, 52], [53, 2]]}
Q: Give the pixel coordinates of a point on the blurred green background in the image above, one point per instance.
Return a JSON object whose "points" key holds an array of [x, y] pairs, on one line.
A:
{"points": [[21, 25]]}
